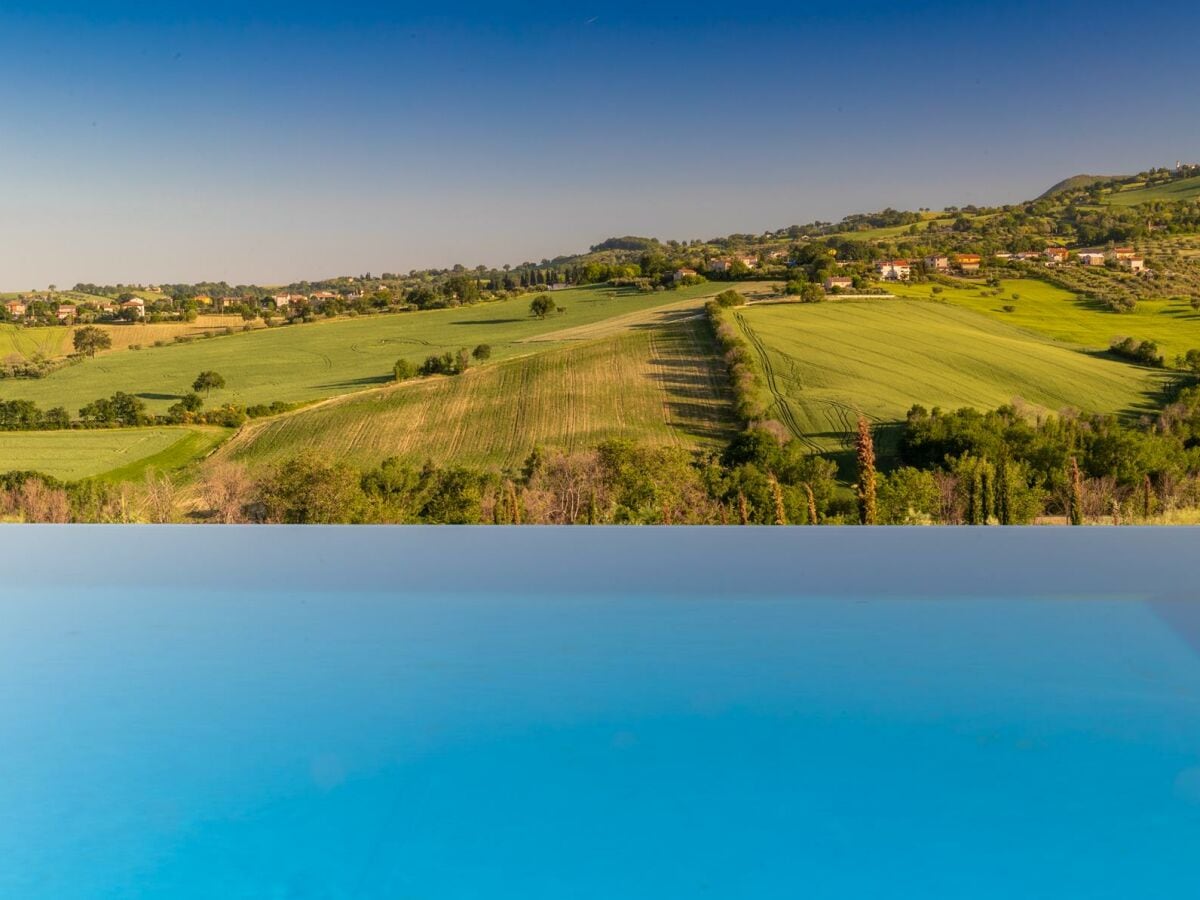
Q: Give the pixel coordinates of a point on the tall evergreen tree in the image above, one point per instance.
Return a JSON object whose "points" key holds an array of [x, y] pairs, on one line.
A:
{"points": [[867, 514], [1003, 490], [1075, 511]]}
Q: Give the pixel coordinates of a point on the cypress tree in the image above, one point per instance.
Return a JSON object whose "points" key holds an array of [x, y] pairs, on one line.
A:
{"points": [[866, 474], [1075, 509], [812, 504], [1147, 498], [1003, 490], [743, 509], [514, 507], [777, 496]]}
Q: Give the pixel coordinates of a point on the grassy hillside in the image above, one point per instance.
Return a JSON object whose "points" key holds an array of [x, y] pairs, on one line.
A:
{"points": [[658, 386], [1174, 191], [825, 363], [1074, 183], [119, 454], [322, 359], [1058, 314], [29, 342]]}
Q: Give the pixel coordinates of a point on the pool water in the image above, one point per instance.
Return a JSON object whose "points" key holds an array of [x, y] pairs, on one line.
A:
{"points": [[312, 741]]}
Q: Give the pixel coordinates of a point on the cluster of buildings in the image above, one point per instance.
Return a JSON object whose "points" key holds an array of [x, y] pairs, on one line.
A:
{"points": [[1125, 257], [69, 312], [969, 263]]}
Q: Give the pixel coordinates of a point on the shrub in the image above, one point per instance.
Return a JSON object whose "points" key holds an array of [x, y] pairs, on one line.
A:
{"points": [[730, 298]]}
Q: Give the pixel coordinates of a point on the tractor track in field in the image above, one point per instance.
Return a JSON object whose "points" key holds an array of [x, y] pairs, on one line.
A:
{"points": [[781, 404]]}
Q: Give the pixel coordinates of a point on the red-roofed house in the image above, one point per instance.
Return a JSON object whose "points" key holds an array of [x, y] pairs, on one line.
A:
{"points": [[893, 269]]}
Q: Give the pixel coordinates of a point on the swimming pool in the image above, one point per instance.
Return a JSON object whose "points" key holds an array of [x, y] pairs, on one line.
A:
{"points": [[598, 713]]}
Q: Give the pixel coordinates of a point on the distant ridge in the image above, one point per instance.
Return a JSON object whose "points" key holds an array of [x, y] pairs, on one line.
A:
{"points": [[1076, 182]]}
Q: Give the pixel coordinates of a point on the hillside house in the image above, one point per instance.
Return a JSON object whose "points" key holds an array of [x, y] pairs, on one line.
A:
{"points": [[1121, 254], [720, 265], [777, 254], [1091, 258], [287, 301], [1027, 256], [893, 269], [750, 262], [1056, 255], [137, 306], [109, 308], [839, 283], [967, 262], [1004, 257], [1135, 264], [323, 297], [937, 263], [680, 274], [15, 308], [65, 312]]}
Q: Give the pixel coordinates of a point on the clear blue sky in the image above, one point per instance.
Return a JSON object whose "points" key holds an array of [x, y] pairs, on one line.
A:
{"points": [[269, 142]]}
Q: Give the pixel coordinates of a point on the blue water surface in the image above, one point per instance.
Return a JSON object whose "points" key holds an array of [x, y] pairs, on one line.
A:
{"points": [[310, 741]]}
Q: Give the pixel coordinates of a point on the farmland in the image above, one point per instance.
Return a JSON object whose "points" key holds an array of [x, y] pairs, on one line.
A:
{"points": [[300, 363], [1055, 313], [1170, 192], [30, 342], [117, 454], [146, 334], [659, 386], [826, 363]]}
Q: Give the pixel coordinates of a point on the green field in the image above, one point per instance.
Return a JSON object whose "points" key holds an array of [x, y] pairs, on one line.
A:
{"points": [[824, 364], [659, 386], [118, 454], [299, 363], [1172, 192], [27, 342], [1058, 314]]}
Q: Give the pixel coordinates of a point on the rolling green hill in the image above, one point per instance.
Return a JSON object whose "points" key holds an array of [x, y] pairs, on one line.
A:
{"points": [[1058, 314], [826, 363], [662, 385], [117, 454], [300, 363], [1074, 183], [1173, 191]]}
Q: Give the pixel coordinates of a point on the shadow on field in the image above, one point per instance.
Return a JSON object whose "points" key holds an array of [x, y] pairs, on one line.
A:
{"points": [[151, 396], [365, 381], [699, 399], [667, 317], [492, 321]]}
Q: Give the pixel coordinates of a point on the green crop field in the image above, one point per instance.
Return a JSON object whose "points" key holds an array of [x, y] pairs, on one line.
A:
{"points": [[119, 454], [824, 364], [1055, 313], [659, 386], [29, 342], [1174, 191], [298, 363]]}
